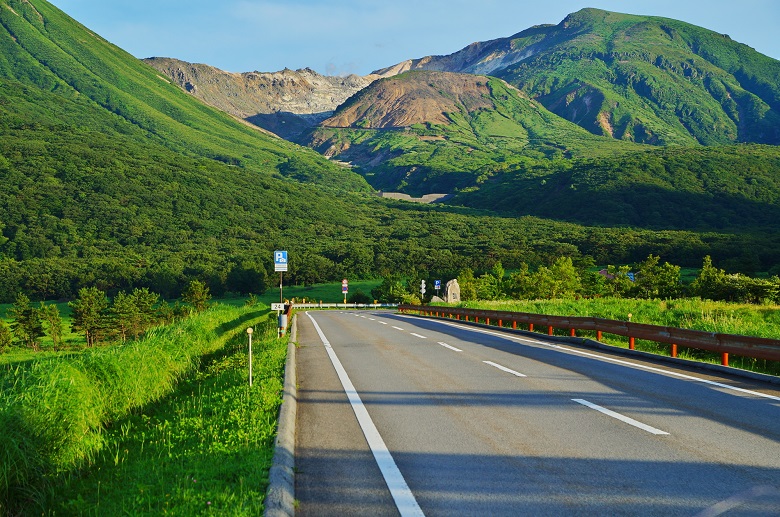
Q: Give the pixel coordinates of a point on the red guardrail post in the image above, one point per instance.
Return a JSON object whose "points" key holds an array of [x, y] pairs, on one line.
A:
{"points": [[724, 359], [631, 344], [598, 335], [573, 332], [674, 350], [530, 327], [549, 331]]}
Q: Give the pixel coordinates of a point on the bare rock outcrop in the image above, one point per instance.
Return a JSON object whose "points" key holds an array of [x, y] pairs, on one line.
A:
{"points": [[287, 102]]}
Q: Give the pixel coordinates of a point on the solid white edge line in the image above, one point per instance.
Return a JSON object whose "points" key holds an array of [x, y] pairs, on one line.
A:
{"points": [[504, 368], [399, 490], [611, 360], [622, 418], [418, 335], [445, 345]]}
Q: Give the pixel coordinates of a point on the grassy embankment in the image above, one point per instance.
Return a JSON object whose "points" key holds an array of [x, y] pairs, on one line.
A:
{"points": [[166, 424], [721, 317]]}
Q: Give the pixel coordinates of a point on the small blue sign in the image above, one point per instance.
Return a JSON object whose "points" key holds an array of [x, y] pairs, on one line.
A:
{"points": [[280, 261], [437, 284]]}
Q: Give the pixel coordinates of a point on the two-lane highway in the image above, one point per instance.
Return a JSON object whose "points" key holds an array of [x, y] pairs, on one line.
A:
{"points": [[403, 414]]}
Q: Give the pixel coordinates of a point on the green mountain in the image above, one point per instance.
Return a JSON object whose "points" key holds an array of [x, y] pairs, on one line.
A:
{"points": [[42, 47], [427, 132], [639, 78]]}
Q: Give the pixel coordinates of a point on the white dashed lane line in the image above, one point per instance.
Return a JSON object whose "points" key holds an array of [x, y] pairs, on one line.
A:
{"points": [[418, 335], [620, 417], [445, 345], [504, 368], [397, 328]]}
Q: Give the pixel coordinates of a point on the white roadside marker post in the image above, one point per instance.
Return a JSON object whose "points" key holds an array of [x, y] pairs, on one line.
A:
{"points": [[249, 331]]}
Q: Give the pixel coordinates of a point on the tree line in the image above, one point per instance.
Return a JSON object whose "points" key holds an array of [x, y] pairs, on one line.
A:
{"points": [[649, 279], [99, 319]]}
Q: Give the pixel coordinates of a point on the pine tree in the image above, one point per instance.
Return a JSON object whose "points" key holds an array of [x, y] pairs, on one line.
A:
{"points": [[26, 326], [5, 336], [51, 316], [197, 295], [90, 314]]}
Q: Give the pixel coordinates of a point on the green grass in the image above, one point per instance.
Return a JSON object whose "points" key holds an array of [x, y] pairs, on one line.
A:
{"points": [[206, 447], [54, 412]]}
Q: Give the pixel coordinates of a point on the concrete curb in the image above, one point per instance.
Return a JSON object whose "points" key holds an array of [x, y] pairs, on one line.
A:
{"points": [[280, 496]]}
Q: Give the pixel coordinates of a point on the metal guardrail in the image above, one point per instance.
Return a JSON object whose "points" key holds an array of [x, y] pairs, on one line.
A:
{"points": [[345, 305], [724, 344]]}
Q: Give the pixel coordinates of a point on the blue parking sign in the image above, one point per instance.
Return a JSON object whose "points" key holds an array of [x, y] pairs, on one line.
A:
{"points": [[280, 261], [437, 284]]}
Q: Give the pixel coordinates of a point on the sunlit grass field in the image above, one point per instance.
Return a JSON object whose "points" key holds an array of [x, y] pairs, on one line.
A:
{"points": [[166, 424]]}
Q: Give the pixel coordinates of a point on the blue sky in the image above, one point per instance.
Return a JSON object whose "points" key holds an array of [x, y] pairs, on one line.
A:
{"points": [[358, 36]]}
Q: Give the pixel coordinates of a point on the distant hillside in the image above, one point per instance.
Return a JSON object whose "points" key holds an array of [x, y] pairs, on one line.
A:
{"points": [[436, 132], [286, 103], [700, 188], [639, 78]]}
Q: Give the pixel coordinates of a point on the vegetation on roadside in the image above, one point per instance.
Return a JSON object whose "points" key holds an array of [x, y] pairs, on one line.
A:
{"points": [[689, 313], [205, 447], [54, 413]]}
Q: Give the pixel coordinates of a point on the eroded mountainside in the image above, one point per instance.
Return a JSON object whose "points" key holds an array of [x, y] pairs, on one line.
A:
{"points": [[426, 132], [286, 102]]}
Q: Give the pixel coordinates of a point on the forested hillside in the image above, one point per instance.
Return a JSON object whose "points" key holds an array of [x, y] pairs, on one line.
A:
{"points": [[697, 188]]}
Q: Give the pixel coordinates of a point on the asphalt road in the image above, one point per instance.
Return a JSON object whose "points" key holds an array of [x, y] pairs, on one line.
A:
{"points": [[478, 422]]}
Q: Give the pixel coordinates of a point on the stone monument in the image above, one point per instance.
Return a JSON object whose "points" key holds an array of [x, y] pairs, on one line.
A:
{"points": [[452, 291]]}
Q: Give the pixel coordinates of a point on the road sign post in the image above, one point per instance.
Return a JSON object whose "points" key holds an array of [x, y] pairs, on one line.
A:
{"points": [[345, 289], [422, 289], [280, 265], [437, 286]]}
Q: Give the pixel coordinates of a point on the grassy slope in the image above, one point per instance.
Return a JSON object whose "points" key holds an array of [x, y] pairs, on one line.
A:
{"points": [[44, 48], [62, 427]]}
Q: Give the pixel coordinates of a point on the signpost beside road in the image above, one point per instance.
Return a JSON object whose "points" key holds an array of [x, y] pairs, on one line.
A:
{"points": [[422, 288], [345, 289], [437, 286], [280, 265]]}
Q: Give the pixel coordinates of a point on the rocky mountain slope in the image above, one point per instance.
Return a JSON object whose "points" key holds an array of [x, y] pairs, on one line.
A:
{"points": [[426, 132], [285, 103], [640, 78]]}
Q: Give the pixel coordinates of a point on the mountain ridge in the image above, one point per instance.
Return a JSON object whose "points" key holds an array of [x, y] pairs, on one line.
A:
{"points": [[286, 102], [621, 62]]}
